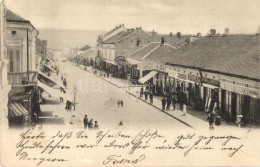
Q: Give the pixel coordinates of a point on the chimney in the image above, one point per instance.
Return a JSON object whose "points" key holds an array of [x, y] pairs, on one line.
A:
{"points": [[226, 31], [123, 25], [213, 31], [178, 34], [170, 34], [162, 40], [198, 34]]}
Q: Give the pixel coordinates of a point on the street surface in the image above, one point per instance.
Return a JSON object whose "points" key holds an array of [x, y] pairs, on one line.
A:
{"points": [[98, 100]]}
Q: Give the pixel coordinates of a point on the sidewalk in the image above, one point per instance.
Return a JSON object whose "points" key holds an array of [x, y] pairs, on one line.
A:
{"points": [[194, 119]]}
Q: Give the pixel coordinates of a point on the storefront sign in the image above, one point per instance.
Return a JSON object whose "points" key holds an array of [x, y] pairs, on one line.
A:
{"points": [[253, 93], [194, 78], [182, 76], [19, 97], [211, 81]]}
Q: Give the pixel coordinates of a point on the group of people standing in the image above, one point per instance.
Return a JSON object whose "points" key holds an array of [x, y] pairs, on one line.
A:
{"points": [[120, 103], [146, 93], [88, 124]]}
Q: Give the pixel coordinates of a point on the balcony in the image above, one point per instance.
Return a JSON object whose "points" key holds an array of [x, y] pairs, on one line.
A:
{"points": [[22, 78]]}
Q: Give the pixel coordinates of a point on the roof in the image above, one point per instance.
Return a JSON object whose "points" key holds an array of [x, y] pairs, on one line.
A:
{"points": [[139, 54], [116, 38], [111, 31], [232, 54], [162, 51], [12, 17]]}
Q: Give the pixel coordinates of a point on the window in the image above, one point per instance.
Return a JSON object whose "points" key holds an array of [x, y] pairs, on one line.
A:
{"points": [[14, 60], [13, 32]]}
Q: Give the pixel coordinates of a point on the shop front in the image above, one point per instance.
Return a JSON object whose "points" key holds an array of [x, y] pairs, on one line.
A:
{"points": [[240, 97], [23, 106]]}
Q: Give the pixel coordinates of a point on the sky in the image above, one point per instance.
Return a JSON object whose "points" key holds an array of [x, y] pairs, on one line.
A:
{"points": [[163, 16]]}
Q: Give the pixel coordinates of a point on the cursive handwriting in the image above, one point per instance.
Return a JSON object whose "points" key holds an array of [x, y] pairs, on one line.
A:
{"points": [[117, 159]]}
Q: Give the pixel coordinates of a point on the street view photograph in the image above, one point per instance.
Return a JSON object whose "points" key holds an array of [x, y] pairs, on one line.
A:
{"points": [[129, 83]]}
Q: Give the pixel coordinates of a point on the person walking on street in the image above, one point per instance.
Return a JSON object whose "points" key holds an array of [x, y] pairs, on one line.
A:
{"points": [[151, 97], [163, 103], [168, 102], [145, 94], [85, 121], [211, 120], [141, 92], [174, 100], [96, 126], [122, 103], [184, 109], [90, 124], [61, 77], [65, 83]]}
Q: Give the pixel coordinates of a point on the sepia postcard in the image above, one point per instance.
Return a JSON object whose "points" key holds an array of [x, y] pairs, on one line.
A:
{"points": [[129, 83]]}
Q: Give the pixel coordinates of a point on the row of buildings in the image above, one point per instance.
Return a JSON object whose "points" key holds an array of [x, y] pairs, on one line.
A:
{"points": [[23, 58], [216, 70]]}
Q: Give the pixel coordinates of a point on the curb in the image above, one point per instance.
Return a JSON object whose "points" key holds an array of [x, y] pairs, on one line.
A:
{"points": [[163, 111]]}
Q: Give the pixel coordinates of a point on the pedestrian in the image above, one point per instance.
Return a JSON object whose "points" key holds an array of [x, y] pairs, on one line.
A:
{"points": [[68, 106], [96, 126], [163, 103], [141, 92], [151, 97], [61, 77], [122, 103], [85, 121], [211, 120], [145, 94], [65, 83], [137, 93], [118, 103], [168, 102], [174, 100], [184, 109], [90, 124], [57, 72]]}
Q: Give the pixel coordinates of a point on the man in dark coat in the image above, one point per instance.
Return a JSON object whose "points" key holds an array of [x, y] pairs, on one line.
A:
{"points": [[145, 94], [174, 99], [151, 97], [141, 92], [90, 124], [168, 102], [85, 121], [163, 103]]}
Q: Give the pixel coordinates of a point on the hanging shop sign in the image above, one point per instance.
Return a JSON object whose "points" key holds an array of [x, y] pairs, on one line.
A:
{"points": [[19, 97], [240, 90]]}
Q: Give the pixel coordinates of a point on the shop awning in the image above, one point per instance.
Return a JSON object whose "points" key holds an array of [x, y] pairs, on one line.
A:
{"points": [[50, 59], [147, 77], [52, 80], [50, 67], [54, 92], [17, 109]]}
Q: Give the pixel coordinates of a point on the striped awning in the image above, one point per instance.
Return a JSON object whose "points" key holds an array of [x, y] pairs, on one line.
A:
{"points": [[17, 109], [50, 67], [54, 92]]}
